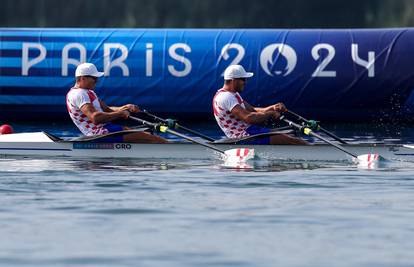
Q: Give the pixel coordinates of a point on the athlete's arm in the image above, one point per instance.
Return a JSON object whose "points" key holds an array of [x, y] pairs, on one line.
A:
{"points": [[102, 117], [105, 107], [249, 107], [279, 107], [129, 107], [253, 117]]}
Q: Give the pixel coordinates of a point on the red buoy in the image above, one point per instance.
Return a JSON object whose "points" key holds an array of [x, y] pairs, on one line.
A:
{"points": [[6, 129]]}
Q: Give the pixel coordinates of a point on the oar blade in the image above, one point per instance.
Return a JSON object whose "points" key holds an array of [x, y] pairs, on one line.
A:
{"points": [[239, 154], [369, 160]]}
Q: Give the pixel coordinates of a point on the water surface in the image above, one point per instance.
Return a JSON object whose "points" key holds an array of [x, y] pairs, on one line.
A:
{"points": [[65, 212]]}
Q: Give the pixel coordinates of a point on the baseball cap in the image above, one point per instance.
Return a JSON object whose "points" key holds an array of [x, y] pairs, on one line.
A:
{"points": [[87, 69], [235, 72]]}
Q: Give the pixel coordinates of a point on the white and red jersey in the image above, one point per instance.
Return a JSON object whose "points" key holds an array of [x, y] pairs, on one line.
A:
{"points": [[223, 103], [75, 99]]}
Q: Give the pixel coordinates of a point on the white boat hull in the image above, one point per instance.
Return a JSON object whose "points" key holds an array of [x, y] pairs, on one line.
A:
{"points": [[40, 145]]}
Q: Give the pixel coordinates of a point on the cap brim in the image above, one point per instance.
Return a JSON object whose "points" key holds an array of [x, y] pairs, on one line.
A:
{"points": [[98, 74], [248, 75]]}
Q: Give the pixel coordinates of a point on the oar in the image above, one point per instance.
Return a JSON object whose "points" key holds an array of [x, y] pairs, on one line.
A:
{"points": [[365, 159], [176, 125], [319, 127], [232, 155]]}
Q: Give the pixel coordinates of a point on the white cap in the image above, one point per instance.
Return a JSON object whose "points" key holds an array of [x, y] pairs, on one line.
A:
{"points": [[235, 72], [87, 69]]}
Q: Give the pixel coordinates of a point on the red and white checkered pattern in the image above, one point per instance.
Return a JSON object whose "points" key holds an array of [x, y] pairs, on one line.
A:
{"points": [[75, 99], [223, 102]]}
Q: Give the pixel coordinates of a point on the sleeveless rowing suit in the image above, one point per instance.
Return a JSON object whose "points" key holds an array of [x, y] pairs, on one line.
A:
{"points": [[75, 99]]}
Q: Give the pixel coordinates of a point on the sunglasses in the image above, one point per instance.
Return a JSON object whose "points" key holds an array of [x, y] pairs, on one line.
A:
{"points": [[242, 79]]}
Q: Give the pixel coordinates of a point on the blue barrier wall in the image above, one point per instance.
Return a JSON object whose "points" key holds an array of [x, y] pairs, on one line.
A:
{"points": [[325, 74]]}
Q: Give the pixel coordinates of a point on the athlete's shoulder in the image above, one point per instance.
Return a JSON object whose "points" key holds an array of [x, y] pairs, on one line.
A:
{"points": [[77, 91], [224, 94]]}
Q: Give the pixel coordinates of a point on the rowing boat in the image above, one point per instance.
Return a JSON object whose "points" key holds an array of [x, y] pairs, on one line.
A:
{"points": [[43, 144]]}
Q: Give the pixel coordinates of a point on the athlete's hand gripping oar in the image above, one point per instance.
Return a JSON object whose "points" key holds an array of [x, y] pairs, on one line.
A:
{"points": [[174, 124], [368, 160], [313, 124], [232, 155]]}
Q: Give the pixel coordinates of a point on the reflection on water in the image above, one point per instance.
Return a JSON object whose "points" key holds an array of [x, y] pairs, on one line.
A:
{"points": [[22, 164], [34, 165], [29, 165], [277, 165]]}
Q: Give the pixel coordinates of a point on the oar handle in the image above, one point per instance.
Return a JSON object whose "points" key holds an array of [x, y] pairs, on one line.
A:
{"points": [[309, 131], [166, 129], [299, 117], [179, 126], [320, 128]]}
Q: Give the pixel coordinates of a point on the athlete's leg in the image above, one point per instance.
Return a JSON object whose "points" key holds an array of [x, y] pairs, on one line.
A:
{"points": [[284, 139], [137, 137], [144, 137], [277, 139]]}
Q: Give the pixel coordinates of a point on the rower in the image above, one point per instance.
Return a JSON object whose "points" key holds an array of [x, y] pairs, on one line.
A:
{"points": [[238, 119], [93, 117]]}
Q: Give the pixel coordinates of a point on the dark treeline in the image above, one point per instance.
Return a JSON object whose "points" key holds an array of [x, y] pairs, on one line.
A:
{"points": [[207, 13]]}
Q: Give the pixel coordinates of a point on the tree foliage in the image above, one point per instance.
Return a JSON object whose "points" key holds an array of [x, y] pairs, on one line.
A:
{"points": [[207, 13]]}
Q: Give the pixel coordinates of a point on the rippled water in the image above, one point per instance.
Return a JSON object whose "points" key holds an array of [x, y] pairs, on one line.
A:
{"points": [[63, 212]]}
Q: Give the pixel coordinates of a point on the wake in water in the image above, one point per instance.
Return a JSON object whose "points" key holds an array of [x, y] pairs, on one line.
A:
{"points": [[30, 165]]}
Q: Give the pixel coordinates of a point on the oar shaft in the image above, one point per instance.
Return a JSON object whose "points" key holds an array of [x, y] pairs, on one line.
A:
{"points": [[154, 116], [194, 141], [196, 133], [310, 132], [299, 117], [333, 144], [154, 125], [143, 121], [320, 128], [333, 136], [180, 126]]}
